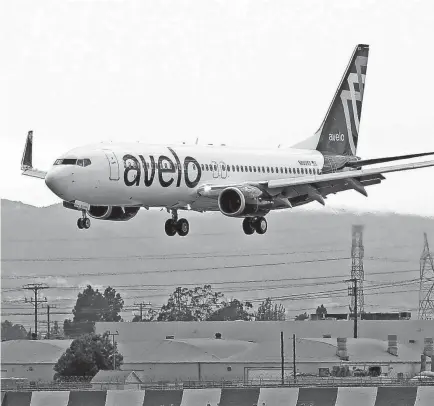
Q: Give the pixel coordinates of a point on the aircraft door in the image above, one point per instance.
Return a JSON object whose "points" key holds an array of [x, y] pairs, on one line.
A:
{"points": [[215, 169], [223, 169], [113, 164]]}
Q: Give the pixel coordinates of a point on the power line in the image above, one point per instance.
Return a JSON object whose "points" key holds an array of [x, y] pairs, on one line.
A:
{"points": [[209, 268]]}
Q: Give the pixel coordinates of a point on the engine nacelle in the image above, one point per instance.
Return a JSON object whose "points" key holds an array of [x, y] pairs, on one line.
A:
{"points": [[113, 213], [244, 201]]}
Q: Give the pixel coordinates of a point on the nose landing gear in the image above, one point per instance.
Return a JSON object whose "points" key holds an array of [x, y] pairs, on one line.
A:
{"points": [[173, 225], [252, 224], [83, 222]]}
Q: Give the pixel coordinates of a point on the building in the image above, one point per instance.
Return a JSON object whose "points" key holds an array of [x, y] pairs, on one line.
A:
{"points": [[216, 359], [31, 359], [410, 333], [219, 359], [113, 380]]}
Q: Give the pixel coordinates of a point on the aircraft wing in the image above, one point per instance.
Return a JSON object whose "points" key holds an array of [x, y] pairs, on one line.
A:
{"points": [[26, 161], [350, 174], [318, 186]]}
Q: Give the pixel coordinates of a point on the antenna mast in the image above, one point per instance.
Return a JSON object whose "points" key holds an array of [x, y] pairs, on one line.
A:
{"points": [[426, 287]]}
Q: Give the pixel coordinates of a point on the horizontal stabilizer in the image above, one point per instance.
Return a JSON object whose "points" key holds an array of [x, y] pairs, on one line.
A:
{"points": [[363, 162]]}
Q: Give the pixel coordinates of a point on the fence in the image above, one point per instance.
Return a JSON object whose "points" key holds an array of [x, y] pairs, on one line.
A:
{"points": [[300, 382]]}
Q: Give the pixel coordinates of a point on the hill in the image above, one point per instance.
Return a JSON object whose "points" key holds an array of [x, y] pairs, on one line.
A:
{"points": [[143, 264]]}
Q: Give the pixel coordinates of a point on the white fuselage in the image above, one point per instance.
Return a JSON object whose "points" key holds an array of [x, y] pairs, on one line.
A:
{"points": [[165, 175]]}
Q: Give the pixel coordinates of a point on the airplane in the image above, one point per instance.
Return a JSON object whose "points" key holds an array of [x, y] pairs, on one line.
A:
{"points": [[112, 181]]}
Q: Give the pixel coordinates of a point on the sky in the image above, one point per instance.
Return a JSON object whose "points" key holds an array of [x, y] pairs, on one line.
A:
{"points": [[256, 73]]}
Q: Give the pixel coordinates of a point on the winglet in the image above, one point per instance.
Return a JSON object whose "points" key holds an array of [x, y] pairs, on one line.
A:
{"points": [[26, 161]]}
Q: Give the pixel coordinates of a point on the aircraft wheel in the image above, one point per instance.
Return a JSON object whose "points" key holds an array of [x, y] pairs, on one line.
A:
{"points": [[182, 227], [80, 224], [248, 226], [261, 225], [170, 228], [86, 223]]}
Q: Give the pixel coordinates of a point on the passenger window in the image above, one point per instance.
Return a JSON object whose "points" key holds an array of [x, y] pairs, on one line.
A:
{"points": [[203, 168], [263, 169], [245, 168], [215, 167], [250, 169], [277, 169], [298, 171], [268, 169], [286, 170], [206, 167], [242, 169], [233, 168], [272, 170], [254, 169], [228, 168]]}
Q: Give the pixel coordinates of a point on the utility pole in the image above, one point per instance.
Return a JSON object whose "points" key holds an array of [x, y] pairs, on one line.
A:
{"points": [[293, 358], [357, 271], [141, 306], [48, 307], [114, 348], [352, 291], [36, 287], [282, 356]]}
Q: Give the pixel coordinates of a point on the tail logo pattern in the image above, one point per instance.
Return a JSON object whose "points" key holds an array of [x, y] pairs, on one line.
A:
{"points": [[353, 96], [339, 131]]}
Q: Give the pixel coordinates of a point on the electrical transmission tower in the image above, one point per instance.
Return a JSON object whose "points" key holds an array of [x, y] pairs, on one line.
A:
{"points": [[357, 272], [36, 287], [426, 287]]}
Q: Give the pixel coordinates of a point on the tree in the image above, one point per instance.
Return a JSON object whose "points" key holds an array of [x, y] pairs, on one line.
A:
{"points": [[12, 331], [231, 311], [86, 356], [302, 316], [321, 311], [195, 304], [115, 305], [268, 311], [56, 329], [93, 306]]}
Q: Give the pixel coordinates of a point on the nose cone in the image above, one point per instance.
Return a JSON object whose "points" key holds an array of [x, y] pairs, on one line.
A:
{"points": [[59, 182]]}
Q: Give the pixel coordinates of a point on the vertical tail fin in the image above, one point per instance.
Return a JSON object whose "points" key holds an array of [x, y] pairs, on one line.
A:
{"points": [[339, 131]]}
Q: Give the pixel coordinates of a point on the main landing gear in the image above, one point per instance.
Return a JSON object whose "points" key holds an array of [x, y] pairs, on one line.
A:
{"points": [[252, 224], [84, 221], [174, 225]]}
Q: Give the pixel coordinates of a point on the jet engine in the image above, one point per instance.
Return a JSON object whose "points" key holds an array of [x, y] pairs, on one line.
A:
{"points": [[114, 213], [244, 201]]}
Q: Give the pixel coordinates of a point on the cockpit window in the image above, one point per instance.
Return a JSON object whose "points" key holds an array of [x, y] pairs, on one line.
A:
{"points": [[70, 161]]}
